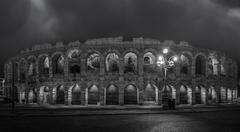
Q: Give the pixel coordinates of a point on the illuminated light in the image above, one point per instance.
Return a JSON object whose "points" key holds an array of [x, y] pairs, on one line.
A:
{"points": [[160, 58], [165, 51], [175, 58]]}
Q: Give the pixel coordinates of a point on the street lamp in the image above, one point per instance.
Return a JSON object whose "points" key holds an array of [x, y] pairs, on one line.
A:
{"points": [[166, 63]]}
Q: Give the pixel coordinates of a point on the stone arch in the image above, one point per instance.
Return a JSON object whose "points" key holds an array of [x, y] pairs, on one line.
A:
{"points": [[149, 61], [112, 62], [93, 62], [43, 64], [58, 94], [223, 65], [135, 51], [112, 95], [213, 64], [212, 95], [183, 94], [153, 51], [74, 95], [170, 92], [58, 63], [93, 95], [72, 49], [186, 63], [200, 95], [200, 64], [32, 60], [223, 93], [74, 60], [130, 62], [44, 95], [150, 94], [131, 94]]}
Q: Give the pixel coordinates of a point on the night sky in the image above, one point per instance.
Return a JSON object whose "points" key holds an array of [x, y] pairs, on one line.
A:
{"points": [[213, 24]]}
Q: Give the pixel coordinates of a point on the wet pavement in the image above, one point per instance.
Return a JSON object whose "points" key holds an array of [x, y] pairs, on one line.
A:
{"points": [[217, 121]]}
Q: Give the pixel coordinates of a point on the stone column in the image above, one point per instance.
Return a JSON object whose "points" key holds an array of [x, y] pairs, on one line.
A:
{"points": [[37, 71], [193, 70], [121, 66], [66, 70], [102, 92], [177, 87], [121, 93], [207, 96], [140, 65], [193, 93], [66, 97], [141, 90], [219, 65], [102, 66], [50, 68], [83, 67]]}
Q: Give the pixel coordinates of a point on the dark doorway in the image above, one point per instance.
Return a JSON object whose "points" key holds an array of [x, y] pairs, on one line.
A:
{"points": [[130, 95], [112, 95]]}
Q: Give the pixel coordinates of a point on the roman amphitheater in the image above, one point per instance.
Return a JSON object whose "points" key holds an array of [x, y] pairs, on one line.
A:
{"points": [[114, 71]]}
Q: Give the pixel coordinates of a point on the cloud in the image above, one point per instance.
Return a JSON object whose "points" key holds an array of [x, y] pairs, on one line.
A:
{"points": [[212, 24], [235, 13]]}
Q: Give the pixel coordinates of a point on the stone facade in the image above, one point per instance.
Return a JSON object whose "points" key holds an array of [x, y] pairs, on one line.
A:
{"points": [[110, 71]]}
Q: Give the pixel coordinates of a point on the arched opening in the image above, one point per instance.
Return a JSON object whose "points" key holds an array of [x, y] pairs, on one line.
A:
{"points": [[93, 95], [43, 66], [32, 66], [44, 95], [112, 63], [229, 95], [112, 95], [150, 94], [198, 95], [75, 69], [74, 62], [213, 64], [149, 62], [200, 65], [32, 95], [223, 94], [168, 93], [183, 95], [60, 95], [76, 95], [130, 63], [185, 64], [212, 97], [58, 64], [130, 95], [93, 63], [223, 66]]}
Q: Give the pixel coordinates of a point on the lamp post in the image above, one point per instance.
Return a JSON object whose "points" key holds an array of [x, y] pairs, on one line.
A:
{"points": [[166, 63]]}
